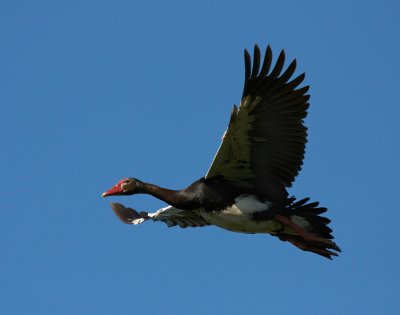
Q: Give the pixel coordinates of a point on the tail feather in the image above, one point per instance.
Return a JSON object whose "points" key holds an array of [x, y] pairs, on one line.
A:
{"points": [[312, 213], [315, 224]]}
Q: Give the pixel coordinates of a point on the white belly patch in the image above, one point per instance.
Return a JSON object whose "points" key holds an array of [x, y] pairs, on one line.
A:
{"points": [[238, 217]]}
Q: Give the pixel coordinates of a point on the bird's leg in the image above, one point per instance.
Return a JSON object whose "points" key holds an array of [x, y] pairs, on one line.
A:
{"points": [[310, 247], [303, 233]]}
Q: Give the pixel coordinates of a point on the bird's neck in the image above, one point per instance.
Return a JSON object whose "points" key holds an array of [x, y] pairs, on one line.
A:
{"points": [[176, 198]]}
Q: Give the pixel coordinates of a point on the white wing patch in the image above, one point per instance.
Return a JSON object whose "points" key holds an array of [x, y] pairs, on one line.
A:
{"points": [[169, 215], [249, 204]]}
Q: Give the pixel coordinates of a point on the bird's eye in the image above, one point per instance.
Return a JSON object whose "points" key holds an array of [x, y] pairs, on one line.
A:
{"points": [[126, 181]]}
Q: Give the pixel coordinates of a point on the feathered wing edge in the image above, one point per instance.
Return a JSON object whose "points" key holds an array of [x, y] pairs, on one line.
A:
{"points": [[169, 215], [280, 108], [268, 126]]}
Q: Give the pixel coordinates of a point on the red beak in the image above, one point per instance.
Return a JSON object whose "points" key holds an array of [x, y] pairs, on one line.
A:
{"points": [[116, 190]]}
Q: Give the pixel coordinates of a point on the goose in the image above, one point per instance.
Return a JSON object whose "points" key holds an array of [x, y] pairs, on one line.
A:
{"points": [[261, 153]]}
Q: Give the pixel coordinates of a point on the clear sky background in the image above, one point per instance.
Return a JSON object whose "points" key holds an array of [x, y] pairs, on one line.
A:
{"points": [[94, 91]]}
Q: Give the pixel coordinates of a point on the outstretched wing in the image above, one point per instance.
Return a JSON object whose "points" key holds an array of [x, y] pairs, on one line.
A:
{"points": [[266, 137], [169, 215]]}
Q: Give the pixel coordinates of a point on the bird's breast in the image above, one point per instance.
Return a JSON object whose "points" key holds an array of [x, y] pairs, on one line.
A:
{"points": [[239, 216]]}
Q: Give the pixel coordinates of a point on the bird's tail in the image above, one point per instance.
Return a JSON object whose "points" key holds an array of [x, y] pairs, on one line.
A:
{"points": [[314, 234]]}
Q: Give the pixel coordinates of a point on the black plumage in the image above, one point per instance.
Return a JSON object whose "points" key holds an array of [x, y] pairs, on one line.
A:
{"points": [[261, 153]]}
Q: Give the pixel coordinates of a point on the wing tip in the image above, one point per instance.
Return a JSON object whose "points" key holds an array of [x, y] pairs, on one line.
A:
{"points": [[126, 215]]}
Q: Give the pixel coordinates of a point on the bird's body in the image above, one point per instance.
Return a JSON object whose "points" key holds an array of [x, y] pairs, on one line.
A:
{"points": [[226, 206], [260, 155]]}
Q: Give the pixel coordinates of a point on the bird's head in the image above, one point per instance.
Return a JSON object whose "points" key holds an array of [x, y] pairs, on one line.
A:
{"points": [[126, 186]]}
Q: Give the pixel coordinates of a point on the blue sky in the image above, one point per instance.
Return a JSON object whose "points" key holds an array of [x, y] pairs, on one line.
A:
{"points": [[93, 91]]}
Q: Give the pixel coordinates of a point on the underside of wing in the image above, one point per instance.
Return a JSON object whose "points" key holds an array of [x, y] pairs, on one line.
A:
{"points": [[169, 215], [265, 141]]}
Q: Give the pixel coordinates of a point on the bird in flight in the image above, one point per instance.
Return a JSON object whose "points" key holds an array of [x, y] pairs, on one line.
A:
{"points": [[261, 153]]}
